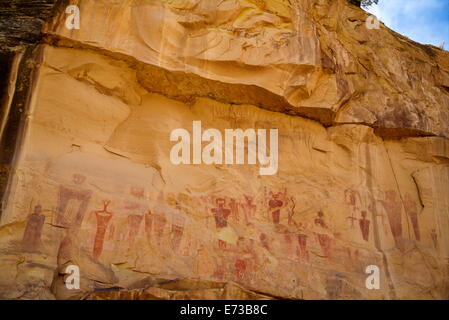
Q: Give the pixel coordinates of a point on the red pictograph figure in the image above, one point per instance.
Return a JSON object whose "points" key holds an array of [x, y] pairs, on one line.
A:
{"points": [[364, 226], [249, 208], [207, 204], [325, 242], [103, 218], [393, 208], [288, 244], [136, 206], [291, 212], [177, 229], [148, 225], [302, 249], [352, 198], [324, 239], [245, 261], [134, 221], [156, 221], [221, 215], [32, 237], [412, 211], [159, 226], [319, 220], [240, 269], [275, 205], [234, 206], [74, 193]]}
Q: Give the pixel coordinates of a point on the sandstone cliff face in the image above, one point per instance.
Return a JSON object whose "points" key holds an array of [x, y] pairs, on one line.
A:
{"points": [[363, 173]]}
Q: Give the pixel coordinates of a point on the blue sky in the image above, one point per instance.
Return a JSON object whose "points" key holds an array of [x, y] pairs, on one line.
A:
{"points": [[425, 21]]}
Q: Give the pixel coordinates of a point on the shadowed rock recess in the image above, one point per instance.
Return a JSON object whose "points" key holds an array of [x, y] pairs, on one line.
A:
{"points": [[86, 177]]}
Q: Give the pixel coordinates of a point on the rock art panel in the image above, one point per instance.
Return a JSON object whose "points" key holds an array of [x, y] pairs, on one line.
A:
{"points": [[93, 184]]}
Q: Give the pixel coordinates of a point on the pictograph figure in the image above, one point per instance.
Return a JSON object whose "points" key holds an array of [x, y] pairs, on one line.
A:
{"points": [[240, 269], [177, 229], [77, 194], [364, 226], [291, 212], [275, 205], [103, 218], [234, 206], [352, 198], [244, 261], [324, 240], [148, 225], [221, 215], [288, 245], [32, 236], [136, 208], [393, 207], [319, 220], [134, 221], [302, 247], [249, 208], [159, 226]]}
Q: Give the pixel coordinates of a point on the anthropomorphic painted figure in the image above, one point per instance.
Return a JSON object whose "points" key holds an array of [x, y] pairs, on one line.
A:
{"points": [[178, 221], [302, 247], [319, 220], [221, 215], [249, 208], [234, 206], [136, 207], [352, 198], [103, 218], [393, 208], [134, 221], [32, 237], [324, 239], [157, 216], [364, 224], [149, 225], [76, 193], [275, 205]]}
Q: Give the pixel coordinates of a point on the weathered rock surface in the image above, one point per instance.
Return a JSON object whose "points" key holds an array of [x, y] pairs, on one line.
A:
{"points": [[363, 156]]}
